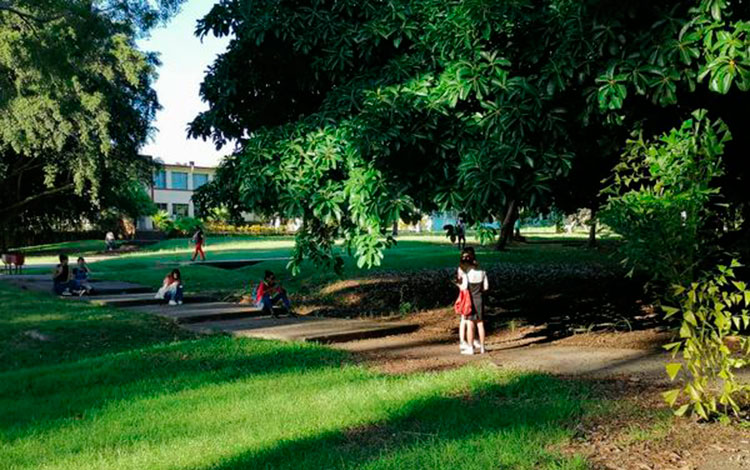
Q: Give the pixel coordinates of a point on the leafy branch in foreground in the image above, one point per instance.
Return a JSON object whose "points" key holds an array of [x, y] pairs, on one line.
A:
{"points": [[713, 344]]}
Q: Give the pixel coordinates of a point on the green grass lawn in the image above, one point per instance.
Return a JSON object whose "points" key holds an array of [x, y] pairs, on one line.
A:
{"points": [[412, 253], [85, 387]]}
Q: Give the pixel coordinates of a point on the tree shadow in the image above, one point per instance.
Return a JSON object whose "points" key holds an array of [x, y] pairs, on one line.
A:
{"points": [[560, 299], [495, 426]]}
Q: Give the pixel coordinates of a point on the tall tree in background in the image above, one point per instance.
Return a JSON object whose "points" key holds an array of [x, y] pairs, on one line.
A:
{"points": [[351, 113], [76, 104]]}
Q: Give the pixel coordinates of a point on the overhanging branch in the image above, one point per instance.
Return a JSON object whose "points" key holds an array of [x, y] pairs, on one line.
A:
{"points": [[30, 199], [27, 17]]}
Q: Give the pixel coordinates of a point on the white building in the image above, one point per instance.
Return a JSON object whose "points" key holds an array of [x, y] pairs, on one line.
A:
{"points": [[173, 187]]}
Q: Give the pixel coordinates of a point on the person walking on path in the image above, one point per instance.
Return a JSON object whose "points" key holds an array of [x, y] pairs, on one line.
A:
{"points": [[171, 288], [473, 280], [461, 232], [199, 241], [271, 292]]}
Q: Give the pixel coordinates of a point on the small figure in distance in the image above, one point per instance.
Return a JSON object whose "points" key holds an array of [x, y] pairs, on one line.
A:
{"points": [[199, 240], [81, 277], [270, 292], [110, 241], [461, 232], [62, 283], [171, 289]]}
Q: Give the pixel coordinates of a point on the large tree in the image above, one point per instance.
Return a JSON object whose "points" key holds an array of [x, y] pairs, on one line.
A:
{"points": [[76, 104], [350, 114]]}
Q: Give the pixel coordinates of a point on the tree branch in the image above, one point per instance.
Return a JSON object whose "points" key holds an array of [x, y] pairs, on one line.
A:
{"points": [[26, 17], [33, 198]]}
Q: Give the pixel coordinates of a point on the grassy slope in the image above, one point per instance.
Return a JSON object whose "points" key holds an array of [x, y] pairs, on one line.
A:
{"points": [[109, 390]]}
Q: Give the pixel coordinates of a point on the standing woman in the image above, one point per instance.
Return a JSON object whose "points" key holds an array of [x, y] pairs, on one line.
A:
{"points": [[474, 280], [199, 240]]}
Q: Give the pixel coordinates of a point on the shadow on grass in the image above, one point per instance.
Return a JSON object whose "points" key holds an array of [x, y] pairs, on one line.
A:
{"points": [[509, 426], [37, 398]]}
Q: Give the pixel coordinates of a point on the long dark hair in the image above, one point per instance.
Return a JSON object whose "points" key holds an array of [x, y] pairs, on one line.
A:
{"points": [[176, 274], [468, 260]]}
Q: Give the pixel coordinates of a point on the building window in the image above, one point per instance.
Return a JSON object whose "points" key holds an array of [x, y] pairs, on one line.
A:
{"points": [[160, 180], [162, 207], [180, 210], [179, 180], [199, 179]]}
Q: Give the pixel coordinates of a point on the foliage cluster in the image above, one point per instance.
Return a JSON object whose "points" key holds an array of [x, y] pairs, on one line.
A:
{"points": [[713, 344], [353, 114], [181, 226], [662, 200], [250, 229], [76, 105]]}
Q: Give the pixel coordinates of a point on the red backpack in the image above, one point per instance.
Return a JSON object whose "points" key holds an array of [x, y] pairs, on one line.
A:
{"points": [[463, 303]]}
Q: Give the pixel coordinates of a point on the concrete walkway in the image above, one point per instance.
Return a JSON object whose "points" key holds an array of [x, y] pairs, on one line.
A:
{"points": [[204, 314], [321, 330]]}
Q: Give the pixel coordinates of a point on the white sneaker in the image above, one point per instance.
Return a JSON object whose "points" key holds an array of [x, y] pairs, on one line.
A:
{"points": [[179, 302], [468, 351], [477, 345], [67, 293], [172, 302], [463, 346], [481, 350]]}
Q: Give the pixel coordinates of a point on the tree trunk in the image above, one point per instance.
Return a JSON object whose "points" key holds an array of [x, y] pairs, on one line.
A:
{"points": [[394, 232], [506, 229], [592, 229]]}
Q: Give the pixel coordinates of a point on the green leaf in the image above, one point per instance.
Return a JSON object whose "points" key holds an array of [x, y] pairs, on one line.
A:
{"points": [[671, 396], [673, 368], [682, 410]]}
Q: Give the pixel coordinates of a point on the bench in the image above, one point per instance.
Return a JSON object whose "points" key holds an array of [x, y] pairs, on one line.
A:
{"points": [[13, 262]]}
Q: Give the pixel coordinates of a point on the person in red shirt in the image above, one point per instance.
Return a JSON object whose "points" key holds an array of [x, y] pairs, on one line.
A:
{"points": [[269, 293], [199, 239]]}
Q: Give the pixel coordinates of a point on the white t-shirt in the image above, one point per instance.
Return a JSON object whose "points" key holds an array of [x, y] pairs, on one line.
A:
{"points": [[474, 276]]}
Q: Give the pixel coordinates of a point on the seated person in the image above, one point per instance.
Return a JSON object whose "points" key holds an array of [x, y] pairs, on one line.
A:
{"points": [[171, 289], [81, 277], [110, 241], [269, 293], [62, 282]]}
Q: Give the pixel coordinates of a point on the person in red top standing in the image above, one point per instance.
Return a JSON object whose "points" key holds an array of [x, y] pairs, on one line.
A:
{"points": [[199, 240], [269, 293]]}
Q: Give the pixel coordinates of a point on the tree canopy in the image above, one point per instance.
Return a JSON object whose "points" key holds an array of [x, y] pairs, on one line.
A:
{"points": [[352, 114], [76, 103]]}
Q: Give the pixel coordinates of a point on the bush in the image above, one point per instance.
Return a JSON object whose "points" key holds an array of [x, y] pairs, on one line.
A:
{"points": [[163, 222], [660, 200], [217, 228], [187, 225], [714, 317]]}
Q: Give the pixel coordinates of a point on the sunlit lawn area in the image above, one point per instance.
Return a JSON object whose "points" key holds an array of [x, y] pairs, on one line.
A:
{"points": [[84, 387], [412, 253]]}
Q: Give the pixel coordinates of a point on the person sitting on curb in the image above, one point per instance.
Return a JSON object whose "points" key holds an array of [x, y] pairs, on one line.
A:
{"points": [[270, 292], [81, 277], [62, 282], [172, 289]]}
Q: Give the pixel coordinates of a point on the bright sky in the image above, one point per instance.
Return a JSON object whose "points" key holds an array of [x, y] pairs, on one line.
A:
{"points": [[184, 61]]}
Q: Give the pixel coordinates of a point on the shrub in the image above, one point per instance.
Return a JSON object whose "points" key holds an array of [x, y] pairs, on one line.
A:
{"points": [[714, 317], [217, 228], [660, 200], [187, 225], [163, 222]]}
